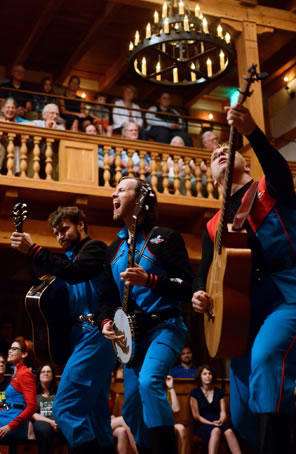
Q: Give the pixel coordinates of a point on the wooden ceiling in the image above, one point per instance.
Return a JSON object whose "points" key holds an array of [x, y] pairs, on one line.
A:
{"points": [[90, 38]]}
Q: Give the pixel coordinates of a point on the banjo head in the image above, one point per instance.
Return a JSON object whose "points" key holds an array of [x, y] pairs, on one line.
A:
{"points": [[123, 324]]}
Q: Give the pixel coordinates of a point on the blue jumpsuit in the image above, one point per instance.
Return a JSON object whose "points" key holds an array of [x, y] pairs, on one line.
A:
{"points": [[165, 259], [81, 403], [263, 380]]}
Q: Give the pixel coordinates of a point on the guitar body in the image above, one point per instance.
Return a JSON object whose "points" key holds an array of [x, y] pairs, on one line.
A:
{"points": [[228, 285], [47, 306]]}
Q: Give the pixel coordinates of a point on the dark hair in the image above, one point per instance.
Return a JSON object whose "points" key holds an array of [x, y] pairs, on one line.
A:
{"points": [[27, 347], [97, 95], [44, 80], [150, 202], [53, 385], [3, 357], [74, 77], [74, 214], [199, 371]]}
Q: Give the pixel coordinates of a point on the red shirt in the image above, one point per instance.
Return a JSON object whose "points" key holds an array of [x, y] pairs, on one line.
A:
{"points": [[23, 381]]}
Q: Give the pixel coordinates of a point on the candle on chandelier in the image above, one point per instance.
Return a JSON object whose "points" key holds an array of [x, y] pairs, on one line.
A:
{"points": [[227, 38], [166, 25], [205, 25], [131, 46], [175, 75], [222, 59], [209, 67], [181, 7], [193, 75], [186, 24], [137, 38], [220, 31], [157, 70], [197, 10], [165, 10], [144, 66], [148, 31], [156, 17]]}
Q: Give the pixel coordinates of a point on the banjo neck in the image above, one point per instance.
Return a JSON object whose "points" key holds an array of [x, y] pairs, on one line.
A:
{"points": [[130, 261]]}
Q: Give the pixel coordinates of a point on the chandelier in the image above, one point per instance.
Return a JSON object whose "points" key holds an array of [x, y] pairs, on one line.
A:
{"points": [[179, 49]]}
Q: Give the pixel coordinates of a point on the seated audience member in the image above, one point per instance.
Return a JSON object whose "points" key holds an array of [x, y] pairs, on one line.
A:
{"points": [[40, 101], [101, 115], [4, 380], [23, 100], [44, 425], [50, 116], [185, 369], [91, 129], [20, 401], [209, 140], [209, 413], [122, 113], [162, 128], [180, 430], [177, 141], [72, 110], [210, 143], [125, 442], [9, 114], [131, 131]]}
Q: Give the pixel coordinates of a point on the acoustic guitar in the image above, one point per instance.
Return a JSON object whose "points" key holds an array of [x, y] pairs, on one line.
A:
{"points": [[47, 306], [226, 321], [125, 322]]}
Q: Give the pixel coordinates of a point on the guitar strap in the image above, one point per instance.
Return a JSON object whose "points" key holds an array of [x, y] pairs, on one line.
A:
{"points": [[84, 246], [145, 243], [245, 208]]}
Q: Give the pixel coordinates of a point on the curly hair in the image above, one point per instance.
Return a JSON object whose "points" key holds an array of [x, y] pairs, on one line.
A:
{"points": [[74, 214]]}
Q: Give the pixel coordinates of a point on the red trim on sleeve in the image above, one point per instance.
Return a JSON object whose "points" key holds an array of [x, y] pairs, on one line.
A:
{"points": [[106, 320]]}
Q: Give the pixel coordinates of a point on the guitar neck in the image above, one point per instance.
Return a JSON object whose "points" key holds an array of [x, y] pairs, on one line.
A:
{"points": [[233, 143]]}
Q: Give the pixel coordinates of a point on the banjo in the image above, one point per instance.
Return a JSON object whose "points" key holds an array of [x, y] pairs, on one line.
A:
{"points": [[124, 322]]}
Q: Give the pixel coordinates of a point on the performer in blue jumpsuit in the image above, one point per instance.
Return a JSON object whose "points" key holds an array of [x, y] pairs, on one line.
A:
{"points": [[263, 380], [160, 281], [81, 404]]}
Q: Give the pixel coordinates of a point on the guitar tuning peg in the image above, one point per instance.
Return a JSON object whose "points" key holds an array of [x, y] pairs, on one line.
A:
{"points": [[147, 207]]}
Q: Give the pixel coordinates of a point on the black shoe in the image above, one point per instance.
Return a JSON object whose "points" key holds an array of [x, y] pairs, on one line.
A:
{"points": [[273, 433], [163, 440]]}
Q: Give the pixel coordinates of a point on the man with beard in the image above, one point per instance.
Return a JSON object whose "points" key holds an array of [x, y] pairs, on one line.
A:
{"points": [[262, 381], [81, 404], [160, 281], [185, 369]]}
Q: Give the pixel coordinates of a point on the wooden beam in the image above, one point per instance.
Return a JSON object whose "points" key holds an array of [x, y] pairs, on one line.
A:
{"points": [[28, 42], [86, 42], [114, 73], [232, 9]]}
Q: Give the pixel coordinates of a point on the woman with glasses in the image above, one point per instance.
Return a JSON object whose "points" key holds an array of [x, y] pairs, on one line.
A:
{"points": [[20, 401]]}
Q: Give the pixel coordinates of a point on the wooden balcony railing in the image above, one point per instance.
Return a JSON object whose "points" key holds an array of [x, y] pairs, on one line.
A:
{"points": [[67, 157]]}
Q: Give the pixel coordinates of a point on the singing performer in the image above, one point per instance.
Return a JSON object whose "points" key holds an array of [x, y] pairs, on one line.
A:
{"points": [[160, 281], [262, 381], [81, 403]]}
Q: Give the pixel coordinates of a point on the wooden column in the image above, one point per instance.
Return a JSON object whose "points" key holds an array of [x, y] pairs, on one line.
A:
{"points": [[247, 54]]}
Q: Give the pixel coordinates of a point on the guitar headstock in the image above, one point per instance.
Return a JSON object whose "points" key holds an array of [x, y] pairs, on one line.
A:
{"points": [[145, 192], [19, 213]]}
